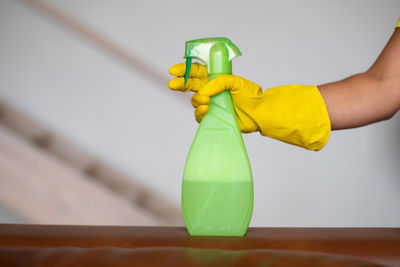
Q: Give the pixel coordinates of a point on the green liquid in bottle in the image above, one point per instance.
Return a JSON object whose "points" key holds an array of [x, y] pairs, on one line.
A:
{"points": [[214, 208]]}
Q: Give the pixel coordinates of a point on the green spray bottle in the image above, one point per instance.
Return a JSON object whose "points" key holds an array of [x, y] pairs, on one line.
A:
{"points": [[217, 187]]}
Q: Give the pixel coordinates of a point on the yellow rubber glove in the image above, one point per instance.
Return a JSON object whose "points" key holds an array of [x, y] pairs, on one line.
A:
{"points": [[294, 114]]}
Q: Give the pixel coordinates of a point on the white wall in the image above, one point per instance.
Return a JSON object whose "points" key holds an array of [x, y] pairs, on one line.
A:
{"points": [[86, 95]]}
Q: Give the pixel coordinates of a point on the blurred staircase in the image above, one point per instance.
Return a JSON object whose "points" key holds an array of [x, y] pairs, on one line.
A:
{"points": [[48, 180]]}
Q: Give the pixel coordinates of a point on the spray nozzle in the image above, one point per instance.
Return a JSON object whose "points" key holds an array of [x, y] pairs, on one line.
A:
{"points": [[213, 52]]}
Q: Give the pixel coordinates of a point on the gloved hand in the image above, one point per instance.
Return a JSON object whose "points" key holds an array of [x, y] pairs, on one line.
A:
{"points": [[294, 114]]}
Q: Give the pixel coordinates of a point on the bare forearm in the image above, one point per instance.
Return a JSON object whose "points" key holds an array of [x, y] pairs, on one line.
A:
{"points": [[367, 97]]}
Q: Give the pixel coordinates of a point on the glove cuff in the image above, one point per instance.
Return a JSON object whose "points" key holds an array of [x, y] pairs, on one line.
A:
{"points": [[294, 114], [398, 23]]}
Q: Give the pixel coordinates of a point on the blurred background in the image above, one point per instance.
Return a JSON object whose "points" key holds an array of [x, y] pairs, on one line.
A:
{"points": [[90, 133]]}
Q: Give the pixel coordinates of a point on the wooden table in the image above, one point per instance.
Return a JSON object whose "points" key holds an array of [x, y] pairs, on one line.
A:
{"points": [[378, 245]]}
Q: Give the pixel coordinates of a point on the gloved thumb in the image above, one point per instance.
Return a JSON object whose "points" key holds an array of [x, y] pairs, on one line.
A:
{"points": [[219, 84]]}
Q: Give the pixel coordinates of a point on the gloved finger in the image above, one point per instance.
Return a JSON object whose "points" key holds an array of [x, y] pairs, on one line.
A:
{"points": [[192, 84], [246, 128], [198, 100], [200, 112], [197, 70], [218, 84]]}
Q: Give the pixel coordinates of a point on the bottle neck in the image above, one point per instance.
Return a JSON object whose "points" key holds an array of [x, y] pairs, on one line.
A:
{"points": [[219, 60], [220, 64]]}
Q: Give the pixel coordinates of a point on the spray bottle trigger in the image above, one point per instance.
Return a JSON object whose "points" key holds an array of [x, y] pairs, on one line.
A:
{"points": [[188, 66]]}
